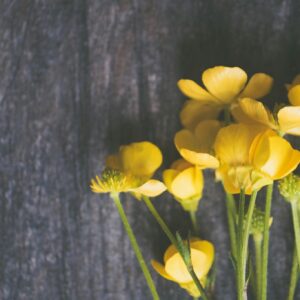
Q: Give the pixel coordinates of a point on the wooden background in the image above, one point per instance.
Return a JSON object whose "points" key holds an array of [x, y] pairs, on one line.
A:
{"points": [[77, 79]]}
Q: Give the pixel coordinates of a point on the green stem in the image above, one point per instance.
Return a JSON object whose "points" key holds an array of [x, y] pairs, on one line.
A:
{"points": [[257, 238], [239, 271], [231, 216], [243, 243], [135, 246], [296, 224], [194, 221], [294, 275], [173, 240], [265, 246]]}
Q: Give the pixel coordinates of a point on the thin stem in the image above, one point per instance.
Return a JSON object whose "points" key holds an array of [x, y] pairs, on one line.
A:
{"points": [[173, 240], [243, 243], [257, 238], [239, 269], [294, 276], [296, 224], [231, 216], [135, 246], [194, 221], [265, 247]]}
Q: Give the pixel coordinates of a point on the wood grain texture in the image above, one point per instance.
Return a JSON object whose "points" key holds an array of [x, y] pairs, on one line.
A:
{"points": [[79, 78]]}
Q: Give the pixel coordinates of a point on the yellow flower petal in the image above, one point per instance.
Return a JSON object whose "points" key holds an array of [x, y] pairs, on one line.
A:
{"points": [[205, 133], [180, 165], [289, 120], [258, 86], [250, 111], [141, 159], [207, 248], [170, 252], [294, 95], [233, 143], [151, 188], [283, 158], [168, 177], [160, 269], [225, 83], [202, 160], [188, 183], [194, 91], [194, 112], [177, 268]]}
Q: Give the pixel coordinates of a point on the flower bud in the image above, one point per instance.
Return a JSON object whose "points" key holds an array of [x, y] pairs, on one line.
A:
{"points": [[289, 187]]}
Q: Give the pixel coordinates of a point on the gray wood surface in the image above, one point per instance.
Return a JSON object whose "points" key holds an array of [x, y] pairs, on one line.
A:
{"points": [[77, 79]]}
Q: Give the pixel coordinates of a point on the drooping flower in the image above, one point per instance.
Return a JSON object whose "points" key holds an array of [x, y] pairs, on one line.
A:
{"points": [[251, 157], [174, 268], [131, 170], [197, 146], [185, 182], [224, 86], [285, 121]]}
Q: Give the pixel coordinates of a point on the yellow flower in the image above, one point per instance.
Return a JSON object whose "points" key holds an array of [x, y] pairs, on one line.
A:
{"points": [[224, 86], [286, 121], [251, 158], [130, 171], [185, 182], [196, 146], [174, 269]]}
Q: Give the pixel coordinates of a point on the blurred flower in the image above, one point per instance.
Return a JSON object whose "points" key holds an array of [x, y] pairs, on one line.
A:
{"points": [[130, 171], [285, 121], [174, 268], [251, 158], [224, 86], [185, 182], [197, 147]]}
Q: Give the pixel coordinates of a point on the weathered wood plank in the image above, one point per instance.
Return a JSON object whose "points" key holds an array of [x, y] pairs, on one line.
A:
{"points": [[79, 78]]}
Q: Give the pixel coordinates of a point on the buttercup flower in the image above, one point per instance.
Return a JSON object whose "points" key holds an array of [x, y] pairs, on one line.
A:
{"points": [[285, 121], [185, 182], [130, 171], [251, 158], [196, 147], [174, 269], [224, 86]]}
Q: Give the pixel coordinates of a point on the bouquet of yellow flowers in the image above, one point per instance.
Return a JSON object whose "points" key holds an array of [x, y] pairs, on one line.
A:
{"points": [[225, 128]]}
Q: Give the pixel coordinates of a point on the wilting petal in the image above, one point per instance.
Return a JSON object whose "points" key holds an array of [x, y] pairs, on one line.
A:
{"points": [[160, 269], [194, 91], [151, 188], [289, 120], [258, 86], [194, 112], [188, 183], [141, 159], [250, 111], [294, 95], [225, 83], [283, 159]]}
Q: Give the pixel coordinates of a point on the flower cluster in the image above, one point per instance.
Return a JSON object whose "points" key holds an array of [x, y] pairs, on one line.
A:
{"points": [[228, 129]]}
